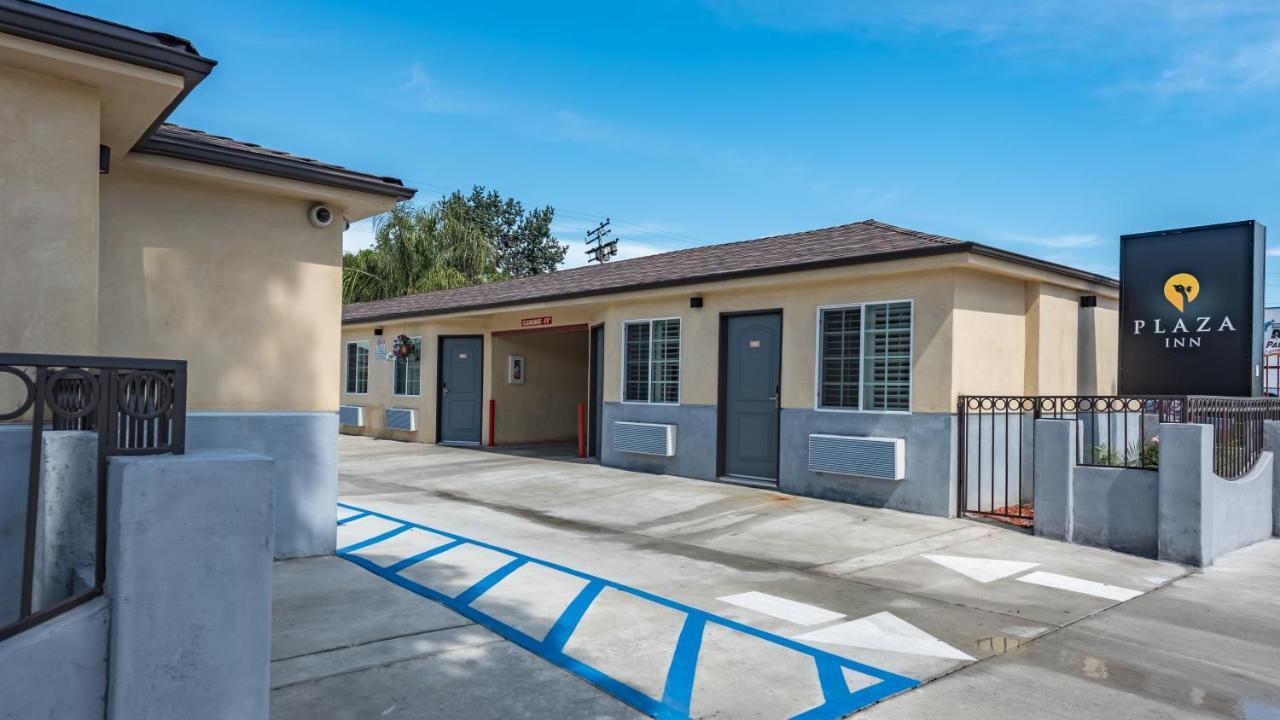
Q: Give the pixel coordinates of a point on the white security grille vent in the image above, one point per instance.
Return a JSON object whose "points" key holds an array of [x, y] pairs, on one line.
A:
{"points": [[402, 419], [644, 438], [352, 415], [874, 457]]}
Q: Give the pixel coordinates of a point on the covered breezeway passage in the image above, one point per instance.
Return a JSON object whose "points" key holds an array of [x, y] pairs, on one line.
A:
{"points": [[541, 382]]}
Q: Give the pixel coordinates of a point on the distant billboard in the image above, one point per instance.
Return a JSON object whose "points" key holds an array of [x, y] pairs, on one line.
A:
{"points": [[1191, 315]]}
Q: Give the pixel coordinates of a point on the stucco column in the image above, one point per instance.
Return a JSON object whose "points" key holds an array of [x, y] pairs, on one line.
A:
{"points": [[1185, 525], [1271, 443], [1055, 463], [189, 577]]}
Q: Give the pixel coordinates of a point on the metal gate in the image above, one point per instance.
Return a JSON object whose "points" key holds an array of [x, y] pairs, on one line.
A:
{"points": [[996, 443], [996, 457]]}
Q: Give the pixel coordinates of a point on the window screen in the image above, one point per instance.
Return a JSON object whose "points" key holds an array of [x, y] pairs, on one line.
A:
{"points": [[358, 367], [651, 361], [865, 357]]}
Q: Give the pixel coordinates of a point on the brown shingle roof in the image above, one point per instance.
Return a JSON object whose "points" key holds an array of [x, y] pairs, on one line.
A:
{"points": [[860, 242], [187, 144]]}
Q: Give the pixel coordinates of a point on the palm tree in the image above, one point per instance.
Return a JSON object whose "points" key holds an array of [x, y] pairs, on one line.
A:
{"points": [[418, 249]]}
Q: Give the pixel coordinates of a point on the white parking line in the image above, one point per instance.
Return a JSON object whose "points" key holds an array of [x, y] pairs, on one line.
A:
{"points": [[782, 608], [885, 631], [1086, 587], [984, 570]]}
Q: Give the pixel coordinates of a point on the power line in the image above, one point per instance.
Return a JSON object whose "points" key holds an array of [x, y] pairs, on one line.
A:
{"points": [[602, 251]]}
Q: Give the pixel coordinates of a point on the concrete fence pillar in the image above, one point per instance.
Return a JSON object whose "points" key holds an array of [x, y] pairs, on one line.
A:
{"points": [[1185, 524], [1055, 463], [189, 576], [1271, 443]]}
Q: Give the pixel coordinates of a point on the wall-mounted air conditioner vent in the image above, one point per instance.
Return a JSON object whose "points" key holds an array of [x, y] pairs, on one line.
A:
{"points": [[402, 419], [351, 415], [873, 457], [644, 438]]}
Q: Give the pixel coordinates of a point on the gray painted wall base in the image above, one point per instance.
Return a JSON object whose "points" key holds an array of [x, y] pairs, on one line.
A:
{"points": [[930, 483], [189, 577], [929, 486], [57, 669], [695, 455], [305, 448]]}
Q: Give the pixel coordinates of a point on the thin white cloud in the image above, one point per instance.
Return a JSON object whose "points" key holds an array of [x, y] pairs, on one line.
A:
{"points": [[627, 250], [1170, 47], [424, 94]]}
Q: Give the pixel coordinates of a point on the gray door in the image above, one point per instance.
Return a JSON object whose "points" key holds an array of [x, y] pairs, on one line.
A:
{"points": [[461, 392], [752, 376]]}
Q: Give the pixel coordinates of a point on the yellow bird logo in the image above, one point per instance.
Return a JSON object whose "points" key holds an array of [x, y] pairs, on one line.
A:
{"points": [[1181, 289]]}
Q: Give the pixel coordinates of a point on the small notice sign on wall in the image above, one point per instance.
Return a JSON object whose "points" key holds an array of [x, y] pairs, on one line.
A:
{"points": [[381, 351], [536, 321]]}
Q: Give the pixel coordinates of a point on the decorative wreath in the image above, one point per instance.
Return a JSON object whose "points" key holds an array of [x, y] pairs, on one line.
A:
{"points": [[404, 348]]}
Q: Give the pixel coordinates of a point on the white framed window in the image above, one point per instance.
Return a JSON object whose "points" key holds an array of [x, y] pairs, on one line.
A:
{"points": [[864, 357], [651, 361], [357, 370], [406, 373]]}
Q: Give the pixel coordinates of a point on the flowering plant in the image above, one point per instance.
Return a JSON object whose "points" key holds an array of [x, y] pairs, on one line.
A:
{"points": [[404, 348]]}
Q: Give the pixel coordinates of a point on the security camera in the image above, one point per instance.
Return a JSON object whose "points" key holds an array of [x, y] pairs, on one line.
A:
{"points": [[320, 215]]}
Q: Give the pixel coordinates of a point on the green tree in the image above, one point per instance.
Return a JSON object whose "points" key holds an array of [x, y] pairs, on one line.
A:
{"points": [[522, 238], [418, 249]]}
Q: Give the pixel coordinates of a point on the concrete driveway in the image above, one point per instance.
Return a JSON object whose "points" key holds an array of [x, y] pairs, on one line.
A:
{"points": [[475, 584]]}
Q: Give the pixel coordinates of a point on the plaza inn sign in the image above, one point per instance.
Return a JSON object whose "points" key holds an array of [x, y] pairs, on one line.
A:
{"points": [[1191, 311]]}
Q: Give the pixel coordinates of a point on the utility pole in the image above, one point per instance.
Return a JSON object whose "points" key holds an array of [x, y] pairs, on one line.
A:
{"points": [[601, 251]]}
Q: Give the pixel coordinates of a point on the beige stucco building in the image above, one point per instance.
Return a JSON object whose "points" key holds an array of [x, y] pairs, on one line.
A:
{"points": [[121, 235], [826, 362]]}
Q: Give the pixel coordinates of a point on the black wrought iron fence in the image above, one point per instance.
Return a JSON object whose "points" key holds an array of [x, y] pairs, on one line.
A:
{"points": [[132, 407], [996, 443], [1238, 430]]}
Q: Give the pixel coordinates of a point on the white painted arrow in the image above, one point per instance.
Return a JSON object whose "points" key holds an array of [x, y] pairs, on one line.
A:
{"points": [[884, 631], [984, 570]]}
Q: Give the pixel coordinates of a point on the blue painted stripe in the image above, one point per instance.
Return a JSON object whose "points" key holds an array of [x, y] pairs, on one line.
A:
{"points": [[357, 516], [558, 635], [838, 701], [677, 696], [490, 580], [375, 539], [415, 559], [831, 679]]}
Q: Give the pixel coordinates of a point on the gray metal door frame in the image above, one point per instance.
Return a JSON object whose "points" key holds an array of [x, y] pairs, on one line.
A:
{"points": [[722, 404], [441, 392], [595, 389]]}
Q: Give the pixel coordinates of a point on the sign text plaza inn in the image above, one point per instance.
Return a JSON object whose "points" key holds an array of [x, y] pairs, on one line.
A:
{"points": [[824, 363]]}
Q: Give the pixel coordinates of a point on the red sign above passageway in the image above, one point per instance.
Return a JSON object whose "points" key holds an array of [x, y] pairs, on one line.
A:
{"points": [[536, 322]]}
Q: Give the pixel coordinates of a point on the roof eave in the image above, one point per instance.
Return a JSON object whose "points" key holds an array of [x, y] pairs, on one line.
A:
{"points": [[710, 277], [45, 24], [183, 149]]}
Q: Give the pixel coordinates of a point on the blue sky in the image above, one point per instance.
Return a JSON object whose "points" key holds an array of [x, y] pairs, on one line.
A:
{"points": [[1044, 127]]}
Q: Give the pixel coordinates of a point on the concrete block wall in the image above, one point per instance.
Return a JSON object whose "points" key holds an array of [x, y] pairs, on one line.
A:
{"points": [[1183, 512], [1271, 442], [305, 482], [58, 669], [67, 511], [189, 557]]}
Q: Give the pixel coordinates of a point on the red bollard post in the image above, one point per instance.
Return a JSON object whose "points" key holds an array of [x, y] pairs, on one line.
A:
{"points": [[582, 430], [491, 409]]}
